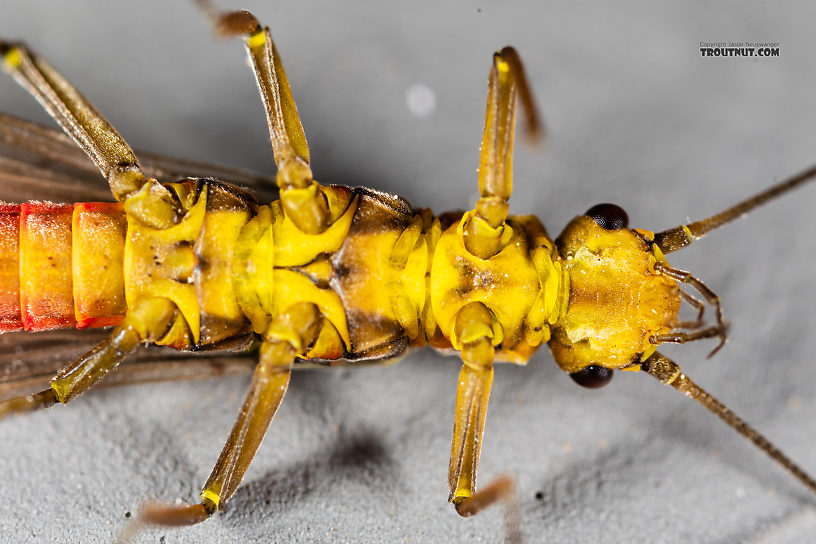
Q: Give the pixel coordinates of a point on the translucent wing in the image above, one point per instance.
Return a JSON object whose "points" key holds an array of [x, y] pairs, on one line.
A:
{"points": [[38, 163], [29, 360]]}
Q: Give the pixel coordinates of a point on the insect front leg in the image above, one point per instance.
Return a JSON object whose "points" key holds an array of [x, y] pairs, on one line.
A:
{"points": [[484, 234], [484, 228], [147, 321], [287, 337], [474, 329]]}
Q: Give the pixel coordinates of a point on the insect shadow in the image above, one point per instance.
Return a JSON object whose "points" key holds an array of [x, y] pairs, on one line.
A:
{"points": [[361, 457]]}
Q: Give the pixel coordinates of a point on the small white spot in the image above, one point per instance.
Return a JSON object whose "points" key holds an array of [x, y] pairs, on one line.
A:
{"points": [[420, 99], [740, 492]]}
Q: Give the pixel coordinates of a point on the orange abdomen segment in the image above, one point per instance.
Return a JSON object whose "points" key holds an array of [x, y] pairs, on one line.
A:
{"points": [[61, 265], [46, 299], [10, 317], [99, 230]]}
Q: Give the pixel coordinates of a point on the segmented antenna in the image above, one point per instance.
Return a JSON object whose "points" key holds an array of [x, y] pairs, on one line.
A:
{"points": [[667, 371], [683, 235]]}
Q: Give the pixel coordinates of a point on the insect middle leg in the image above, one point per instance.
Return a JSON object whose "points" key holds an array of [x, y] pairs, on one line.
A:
{"points": [[309, 205], [288, 336], [147, 321]]}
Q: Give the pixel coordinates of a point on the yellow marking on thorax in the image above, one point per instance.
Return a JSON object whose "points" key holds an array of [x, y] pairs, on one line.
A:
{"points": [[385, 290], [160, 263], [215, 250], [522, 294], [293, 247], [380, 274], [268, 252], [221, 315]]}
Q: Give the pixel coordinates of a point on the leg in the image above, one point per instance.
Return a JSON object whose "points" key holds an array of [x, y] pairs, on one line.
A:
{"points": [[289, 336], [153, 204], [147, 321], [303, 199], [667, 371], [78, 118], [474, 328], [507, 79]]}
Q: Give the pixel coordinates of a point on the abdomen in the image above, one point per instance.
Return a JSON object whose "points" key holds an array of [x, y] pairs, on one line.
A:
{"points": [[61, 265]]}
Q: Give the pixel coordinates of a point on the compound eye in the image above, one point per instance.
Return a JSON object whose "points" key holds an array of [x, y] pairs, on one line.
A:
{"points": [[592, 377], [609, 216]]}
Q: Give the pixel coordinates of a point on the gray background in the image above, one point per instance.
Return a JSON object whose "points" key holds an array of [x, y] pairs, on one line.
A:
{"points": [[635, 116]]}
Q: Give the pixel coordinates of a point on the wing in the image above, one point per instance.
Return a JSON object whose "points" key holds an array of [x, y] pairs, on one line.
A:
{"points": [[29, 360], [38, 163]]}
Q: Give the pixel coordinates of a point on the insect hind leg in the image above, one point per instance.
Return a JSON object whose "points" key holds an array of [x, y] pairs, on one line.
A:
{"points": [[154, 204], [89, 129], [147, 321]]}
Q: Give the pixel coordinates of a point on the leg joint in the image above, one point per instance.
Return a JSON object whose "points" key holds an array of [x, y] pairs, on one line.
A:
{"points": [[298, 327]]}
